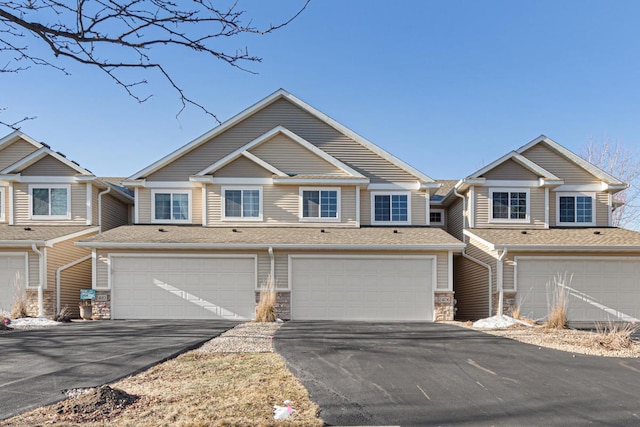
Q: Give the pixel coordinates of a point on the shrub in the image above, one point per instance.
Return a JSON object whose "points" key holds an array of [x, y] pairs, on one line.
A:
{"points": [[514, 312], [19, 309], [266, 309], [615, 335], [558, 301]]}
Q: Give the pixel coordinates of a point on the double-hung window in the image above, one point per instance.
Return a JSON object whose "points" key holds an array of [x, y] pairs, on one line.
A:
{"points": [[171, 206], [509, 205], [391, 208], [320, 204], [576, 209], [436, 217], [242, 203], [50, 201]]}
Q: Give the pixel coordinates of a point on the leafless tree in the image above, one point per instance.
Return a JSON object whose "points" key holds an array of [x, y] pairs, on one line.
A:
{"points": [[623, 163], [119, 36]]}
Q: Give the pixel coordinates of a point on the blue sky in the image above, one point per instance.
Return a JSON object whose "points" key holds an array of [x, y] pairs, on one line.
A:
{"points": [[447, 86]]}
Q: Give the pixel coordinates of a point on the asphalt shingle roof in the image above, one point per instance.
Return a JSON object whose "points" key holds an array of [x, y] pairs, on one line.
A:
{"points": [[562, 237], [30, 233], [172, 234]]}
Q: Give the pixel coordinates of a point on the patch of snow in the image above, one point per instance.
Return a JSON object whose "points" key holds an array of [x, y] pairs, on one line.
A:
{"points": [[29, 322], [498, 322]]}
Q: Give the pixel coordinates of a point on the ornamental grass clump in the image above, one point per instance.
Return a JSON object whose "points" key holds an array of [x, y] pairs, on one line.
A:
{"points": [[558, 301], [615, 335], [266, 309]]}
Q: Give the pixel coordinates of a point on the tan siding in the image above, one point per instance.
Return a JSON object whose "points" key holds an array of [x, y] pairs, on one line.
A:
{"points": [[5, 203], [34, 269], [293, 159], [282, 112], [14, 152], [102, 269], [282, 269], [510, 170], [418, 208], [365, 207], [536, 213], [94, 204], [243, 168], [214, 205], [442, 275], [78, 206], [196, 206], [552, 209], [558, 165], [455, 219], [143, 203], [472, 282], [280, 204], [74, 279], [114, 212], [48, 166]]}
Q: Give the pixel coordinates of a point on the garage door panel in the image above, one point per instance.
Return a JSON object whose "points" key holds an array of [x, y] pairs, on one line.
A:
{"points": [[12, 279], [600, 289], [362, 288], [183, 287]]}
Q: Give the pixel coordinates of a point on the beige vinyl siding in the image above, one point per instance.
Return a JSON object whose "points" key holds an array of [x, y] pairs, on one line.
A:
{"points": [[281, 205], [455, 219], [442, 265], [94, 203], [15, 152], [73, 279], [242, 168], [293, 159], [558, 165], [308, 127], [34, 269], [510, 170], [5, 202], [365, 207], [78, 205], [536, 213], [472, 282], [114, 213], [144, 202], [102, 270], [48, 166]]}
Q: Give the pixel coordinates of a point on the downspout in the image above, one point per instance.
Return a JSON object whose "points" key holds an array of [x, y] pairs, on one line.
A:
{"points": [[272, 273], [469, 257], [59, 271], [500, 280], [40, 280], [100, 207]]}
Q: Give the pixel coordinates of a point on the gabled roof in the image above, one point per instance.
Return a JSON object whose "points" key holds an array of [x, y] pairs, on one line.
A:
{"points": [[522, 161], [277, 95], [591, 168], [16, 135], [244, 151]]}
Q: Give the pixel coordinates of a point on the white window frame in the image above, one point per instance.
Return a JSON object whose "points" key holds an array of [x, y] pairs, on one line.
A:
{"points": [[223, 203], [319, 218], [576, 194], [526, 220], [3, 204], [441, 212], [390, 193], [171, 220], [49, 187]]}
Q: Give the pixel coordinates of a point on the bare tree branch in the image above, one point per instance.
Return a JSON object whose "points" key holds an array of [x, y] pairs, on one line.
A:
{"points": [[623, 163], [14, 125], [115, 36]]}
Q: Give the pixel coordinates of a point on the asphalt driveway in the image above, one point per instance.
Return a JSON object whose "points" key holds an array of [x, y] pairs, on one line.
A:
{"points": [[436, 374], [37, 365]]}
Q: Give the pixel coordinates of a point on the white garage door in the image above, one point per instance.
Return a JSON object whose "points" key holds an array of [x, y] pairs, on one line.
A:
{"points": [[181, 287], [13, 278], [600, 289], [361, 288]]}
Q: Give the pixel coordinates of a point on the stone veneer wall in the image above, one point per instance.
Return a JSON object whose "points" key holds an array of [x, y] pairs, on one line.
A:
{"points": [[444, 306], [49, 303], [509, 302], [102, 306], [283, 304]]}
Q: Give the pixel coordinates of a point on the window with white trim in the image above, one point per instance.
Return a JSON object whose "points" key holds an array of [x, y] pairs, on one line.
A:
{"points": [[171, 206], [436, 217], [2, 194], [242, 203], [509, 205], [576, 209], [391, 208], [50, 201], [319, 204]]}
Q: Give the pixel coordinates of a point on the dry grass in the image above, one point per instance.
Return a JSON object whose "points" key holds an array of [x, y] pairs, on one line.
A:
{"points": [[266, 309], [514, 312], [614, 336], [200, 389], [19, 309], [559, 302]]}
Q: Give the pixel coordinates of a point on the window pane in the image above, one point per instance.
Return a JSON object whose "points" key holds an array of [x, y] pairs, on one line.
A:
{"points": [[329, 204], [40, 201], [163, 206], [567, 209], [435, 217], [180, 206], [583, 209], [233, 203], [382, 205], [399, 208], [518, 204], [251, 203], [58, 201], [501, 205], [310, 204]]}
